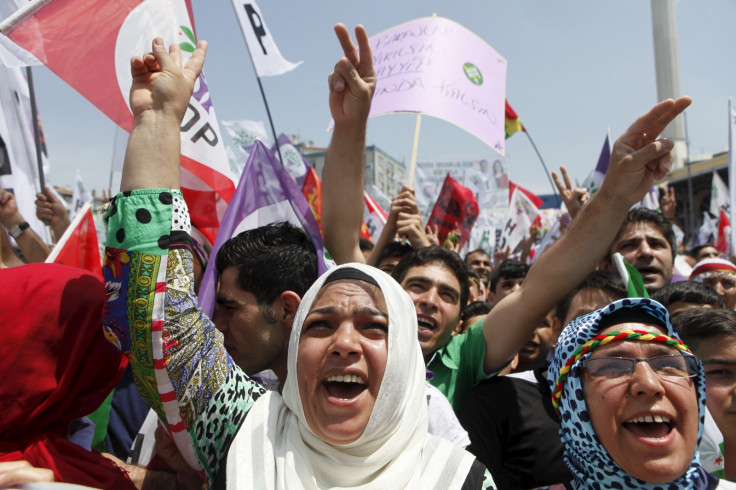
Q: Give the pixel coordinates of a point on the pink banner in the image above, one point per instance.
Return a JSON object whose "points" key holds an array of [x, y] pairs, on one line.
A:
{"points": [[436, 66]]}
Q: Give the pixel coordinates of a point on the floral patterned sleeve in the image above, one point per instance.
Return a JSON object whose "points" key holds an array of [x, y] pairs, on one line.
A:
{"points": [[179, 362]]}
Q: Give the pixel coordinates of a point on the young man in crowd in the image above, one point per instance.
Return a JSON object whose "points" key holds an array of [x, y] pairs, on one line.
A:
{"points": [[480, 261], [506, 278], [711, 335], [647, 241], [264, 273]]}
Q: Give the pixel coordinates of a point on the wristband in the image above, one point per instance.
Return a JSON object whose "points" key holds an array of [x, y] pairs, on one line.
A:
{"points": [[16, 230]]}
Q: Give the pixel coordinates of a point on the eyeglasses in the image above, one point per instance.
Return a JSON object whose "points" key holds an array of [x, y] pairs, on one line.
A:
{"points": [[672, 366]]}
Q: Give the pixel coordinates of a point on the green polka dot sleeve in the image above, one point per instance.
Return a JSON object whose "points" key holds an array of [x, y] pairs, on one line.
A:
{"points": [[146, 228]]}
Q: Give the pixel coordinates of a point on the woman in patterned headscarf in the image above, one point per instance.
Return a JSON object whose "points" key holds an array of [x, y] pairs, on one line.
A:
{"points": [[632, 400]]}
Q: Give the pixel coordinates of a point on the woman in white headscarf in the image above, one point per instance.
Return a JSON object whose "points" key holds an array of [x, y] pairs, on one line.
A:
{"points": [[353, 411]]}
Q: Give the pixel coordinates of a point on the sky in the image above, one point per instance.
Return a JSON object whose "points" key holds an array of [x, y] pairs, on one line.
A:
{"points": [[576, 69]]}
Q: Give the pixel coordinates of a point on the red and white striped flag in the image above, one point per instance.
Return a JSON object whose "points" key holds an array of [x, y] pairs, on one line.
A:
{"points": [[89, 43], [374, 217]]}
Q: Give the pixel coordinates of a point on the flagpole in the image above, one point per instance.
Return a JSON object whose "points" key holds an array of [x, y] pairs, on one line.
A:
{"points": [[263, 94], [21, 14], [415, 146], [36, 129], [268, 112], [549, 177]]}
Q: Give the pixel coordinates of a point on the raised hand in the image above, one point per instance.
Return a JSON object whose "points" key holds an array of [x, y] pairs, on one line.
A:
{"points": [[433, 234], [159, 81], [638, 157], [354, 79], [9, 214], [573, 197], [159, 97], [51, 210]]}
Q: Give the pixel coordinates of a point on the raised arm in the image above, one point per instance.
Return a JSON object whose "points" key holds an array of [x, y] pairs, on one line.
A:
{"points": [[180, 364], [638, 158], [159, 97], [403, 219], [351, 89]]}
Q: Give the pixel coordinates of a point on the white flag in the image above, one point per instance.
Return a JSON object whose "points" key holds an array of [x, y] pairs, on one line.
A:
{"points": [[243, 135], [522, 213], [267, 59], [718, 196], [80, 196], [18, 164]]}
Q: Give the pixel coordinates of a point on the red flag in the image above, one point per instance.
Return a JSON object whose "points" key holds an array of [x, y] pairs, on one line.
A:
{"points": [[724, 233], [78, 246], [312, 190], [456, 207], [533, 197], [89, 43]]}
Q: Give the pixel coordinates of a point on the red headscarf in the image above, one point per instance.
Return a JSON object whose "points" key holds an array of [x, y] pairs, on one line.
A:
{"points": [[56, 366]]}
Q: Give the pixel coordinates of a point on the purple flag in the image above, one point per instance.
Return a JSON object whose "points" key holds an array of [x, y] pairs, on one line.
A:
{"points": [[295, 163], [594, 180], [265, 194]]}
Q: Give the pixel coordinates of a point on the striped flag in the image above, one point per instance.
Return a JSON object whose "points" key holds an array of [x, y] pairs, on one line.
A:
{"points": [[512, 123], [374, 217]]}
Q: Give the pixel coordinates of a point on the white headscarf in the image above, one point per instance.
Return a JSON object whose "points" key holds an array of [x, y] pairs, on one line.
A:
{"points": [[275, 448]]}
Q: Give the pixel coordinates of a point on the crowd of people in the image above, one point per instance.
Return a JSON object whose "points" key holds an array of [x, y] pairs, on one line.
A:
{"points": [[404, 366]]}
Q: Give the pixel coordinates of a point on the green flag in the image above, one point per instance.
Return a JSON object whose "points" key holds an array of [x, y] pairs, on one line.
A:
{"points": [[631, 277]]}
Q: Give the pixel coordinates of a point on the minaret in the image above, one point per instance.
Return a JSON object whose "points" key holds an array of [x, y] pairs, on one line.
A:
{"points": [[668, 72]]}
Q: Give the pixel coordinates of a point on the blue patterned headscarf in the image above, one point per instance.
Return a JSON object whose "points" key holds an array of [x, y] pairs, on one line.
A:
{"points": [[588, 460]]}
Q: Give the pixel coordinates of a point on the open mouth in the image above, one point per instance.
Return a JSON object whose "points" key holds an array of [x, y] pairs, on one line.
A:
{"points": [[650, 426], [425, 323], [649, 272], [344, 386]]}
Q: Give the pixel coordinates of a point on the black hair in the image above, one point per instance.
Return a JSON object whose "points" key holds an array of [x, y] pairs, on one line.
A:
{"points": [[365, 244], [698, 324], [606, 281], [474, 252], [393, 249], [696, 250], [689, 292], [641, 214], [270, 259], [435, 254], [508, 269], [476, 308]]}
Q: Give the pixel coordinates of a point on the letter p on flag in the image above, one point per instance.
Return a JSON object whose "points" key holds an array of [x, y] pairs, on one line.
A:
{"points": [[267, 59]]}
